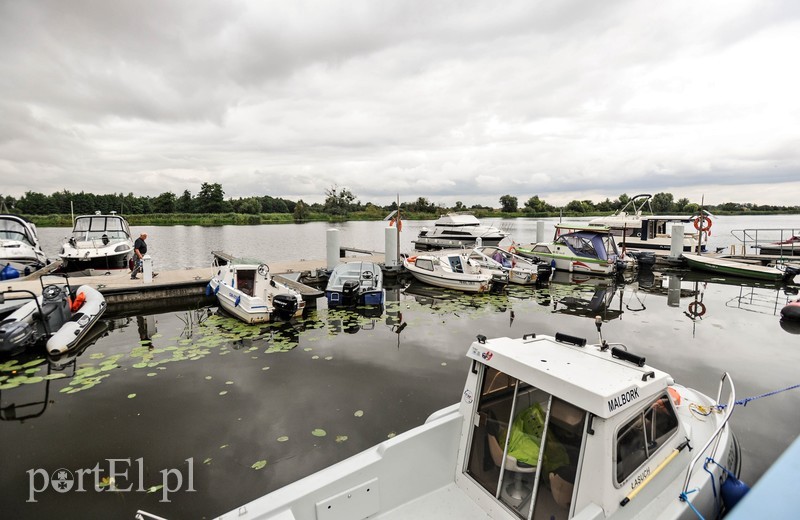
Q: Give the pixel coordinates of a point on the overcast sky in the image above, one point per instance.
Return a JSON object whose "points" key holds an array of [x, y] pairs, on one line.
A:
{"points": [[449, 100]]}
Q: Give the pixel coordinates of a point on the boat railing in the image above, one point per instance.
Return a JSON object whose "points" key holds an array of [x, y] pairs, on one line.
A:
{"points": [[755, 238], [714, 439]]}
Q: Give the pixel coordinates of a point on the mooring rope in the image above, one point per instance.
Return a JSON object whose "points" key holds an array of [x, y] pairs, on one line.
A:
{"points": [[685, 498], [743, 402]]}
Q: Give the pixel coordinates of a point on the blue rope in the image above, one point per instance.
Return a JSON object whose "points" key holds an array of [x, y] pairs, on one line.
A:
{"points": [[743, 402], [712, 479], [685, 498]]}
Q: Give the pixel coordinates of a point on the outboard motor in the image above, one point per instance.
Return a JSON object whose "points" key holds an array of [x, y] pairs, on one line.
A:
{"points": [[15, 336], [285, 305], [543, 272], [499, 283], [350, 292]]}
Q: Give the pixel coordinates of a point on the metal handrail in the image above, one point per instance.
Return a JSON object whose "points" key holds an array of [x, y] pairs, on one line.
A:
{"points": [[715, 437], [750, 237]]}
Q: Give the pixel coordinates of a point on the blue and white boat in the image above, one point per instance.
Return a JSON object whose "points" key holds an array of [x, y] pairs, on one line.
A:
{"points": [[245, 289], [355, 283]]}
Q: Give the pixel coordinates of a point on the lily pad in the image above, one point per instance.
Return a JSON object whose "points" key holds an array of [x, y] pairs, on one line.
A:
{"points": [[359, 413], [319, 432], [283, 438], [131, 396], [341, 438], [259, 465], [153, 489], [223, 392]]}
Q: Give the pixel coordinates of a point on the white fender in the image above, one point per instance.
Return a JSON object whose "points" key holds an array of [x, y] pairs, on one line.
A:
{"points": [[82, 320]]}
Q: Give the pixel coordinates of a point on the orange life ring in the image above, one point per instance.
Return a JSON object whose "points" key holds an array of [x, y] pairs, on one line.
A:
{"points": [[512, 249], [697, 309], [411, 259], [703, 223]]}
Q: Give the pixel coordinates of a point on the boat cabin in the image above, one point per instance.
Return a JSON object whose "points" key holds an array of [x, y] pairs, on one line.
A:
{"points": [[559, 427], [100, 229], [15, 228]]}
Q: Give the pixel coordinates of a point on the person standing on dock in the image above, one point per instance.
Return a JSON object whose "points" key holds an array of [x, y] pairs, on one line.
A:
{"points": [[139, 249]]}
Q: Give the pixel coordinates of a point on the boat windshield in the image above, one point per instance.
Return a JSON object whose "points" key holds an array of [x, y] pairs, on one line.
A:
{"points": [[100, 226], [14, 230], [525, 447]]}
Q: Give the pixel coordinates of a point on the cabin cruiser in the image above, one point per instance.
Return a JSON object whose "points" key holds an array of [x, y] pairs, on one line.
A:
{"points": [[520, 270], [59, 318], [547, 427], [355, 283], [578, 248], [246, 289], [636, 228], [457, 230], [98, 244], [454, 270], [20, 252]]}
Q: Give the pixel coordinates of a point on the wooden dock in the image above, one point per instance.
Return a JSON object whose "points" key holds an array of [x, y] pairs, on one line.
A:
{"points": [[178, 287]]}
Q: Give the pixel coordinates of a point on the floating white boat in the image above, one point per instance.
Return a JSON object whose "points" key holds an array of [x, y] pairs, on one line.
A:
{"points": [[57, 318], [546, 428], [458, 230], [453, 270], [727, 266], [98, 244], [637, 227], [788, 247], [578, 248], [355, 283], [245, 289], [520, 270], [20, 251]]}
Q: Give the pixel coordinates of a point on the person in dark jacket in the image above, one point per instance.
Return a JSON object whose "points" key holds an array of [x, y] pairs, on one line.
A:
{"points": [[139, 250]]}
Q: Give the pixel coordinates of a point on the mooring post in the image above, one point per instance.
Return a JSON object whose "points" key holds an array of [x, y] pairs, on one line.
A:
{"points": [[333, 248], [676, 244], [390, 240]]}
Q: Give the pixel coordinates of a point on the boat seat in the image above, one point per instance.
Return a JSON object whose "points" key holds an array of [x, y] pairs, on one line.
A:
{"points": [[516, 492]]}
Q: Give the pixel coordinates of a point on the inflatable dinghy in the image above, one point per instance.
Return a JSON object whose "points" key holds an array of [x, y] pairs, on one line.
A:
{"points": [[55, 319]]}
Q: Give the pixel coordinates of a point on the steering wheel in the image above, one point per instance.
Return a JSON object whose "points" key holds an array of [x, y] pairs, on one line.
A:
{"points": [[263, 269], [367, 275], [51, 292]]}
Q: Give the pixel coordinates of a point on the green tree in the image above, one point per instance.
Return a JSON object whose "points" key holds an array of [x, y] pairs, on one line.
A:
{"points": [[459, 206], [211, 198], [662, 203], [300, 211], [338, 201], [537, 205], [508, 204], [167, 202], [185, 203], [575, 206], [250, 206]]}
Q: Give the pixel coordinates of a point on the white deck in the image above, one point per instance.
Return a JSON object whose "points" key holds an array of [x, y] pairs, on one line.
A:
{"points": [[447, 502]]}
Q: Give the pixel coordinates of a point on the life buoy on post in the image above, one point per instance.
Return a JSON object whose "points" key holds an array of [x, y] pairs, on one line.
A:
{"points": [[703, 223], [697, 309]]}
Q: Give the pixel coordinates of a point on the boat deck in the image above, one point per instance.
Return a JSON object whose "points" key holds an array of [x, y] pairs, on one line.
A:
{"points": [[446, 502]]}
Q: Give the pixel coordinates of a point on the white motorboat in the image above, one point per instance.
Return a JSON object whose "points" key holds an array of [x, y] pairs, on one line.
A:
{"points": [[98, 244], [638, 228], [20, 252], [454, 270], [546, 428], [458, 230], [58, 318], [355, 283], [245, 289], [520, 270], [578, 248]]}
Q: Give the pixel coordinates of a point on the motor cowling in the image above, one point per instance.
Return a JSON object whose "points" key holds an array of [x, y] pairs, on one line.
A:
{"points": [[350, 292], [543, 272], [15, 336], [285, 304]]}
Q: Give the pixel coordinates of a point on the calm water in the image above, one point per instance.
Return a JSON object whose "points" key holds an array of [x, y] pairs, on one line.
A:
{"points": [[296, 397]]}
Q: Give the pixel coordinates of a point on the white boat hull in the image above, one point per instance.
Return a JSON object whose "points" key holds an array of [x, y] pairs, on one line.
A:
{"points": [[73, 331]]}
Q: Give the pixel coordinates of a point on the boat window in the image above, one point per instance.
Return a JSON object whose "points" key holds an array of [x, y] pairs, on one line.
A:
{"points": [[455, 264], [541, 249], [508, 455], [425, 263], [245, 280], [643, 435], [12, 230]]}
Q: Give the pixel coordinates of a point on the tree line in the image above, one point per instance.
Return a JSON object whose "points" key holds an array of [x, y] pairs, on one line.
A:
{"points": [[339, 203]]}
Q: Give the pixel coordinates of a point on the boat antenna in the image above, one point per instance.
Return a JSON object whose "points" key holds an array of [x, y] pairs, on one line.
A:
{"points": [[598, 321]]}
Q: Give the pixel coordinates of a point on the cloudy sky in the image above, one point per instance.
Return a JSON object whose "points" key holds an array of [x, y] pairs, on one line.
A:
{"points": [[449, 100]]}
